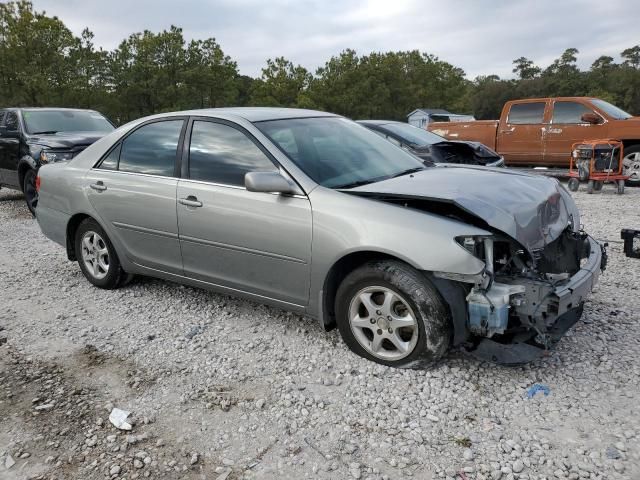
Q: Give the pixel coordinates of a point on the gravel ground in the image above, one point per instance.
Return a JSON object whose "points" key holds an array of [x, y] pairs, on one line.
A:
{"points": [[223, 388]]}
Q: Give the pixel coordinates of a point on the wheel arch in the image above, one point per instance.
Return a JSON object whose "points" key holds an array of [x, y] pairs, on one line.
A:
{"points": [[25, 164], [72, 227], [631, 143], [453, 293]]}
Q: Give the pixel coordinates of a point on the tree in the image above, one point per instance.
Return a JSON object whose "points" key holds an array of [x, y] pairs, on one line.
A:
{"points": [[631, 56], [282, 84], [525, 68], [35, 67]]}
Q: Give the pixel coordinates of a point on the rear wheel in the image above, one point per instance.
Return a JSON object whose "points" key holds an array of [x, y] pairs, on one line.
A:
{"points": [[631, 165], [390, 313], [97, 257], [597, 186], [30, 191], [620, 187], [590, 186]]}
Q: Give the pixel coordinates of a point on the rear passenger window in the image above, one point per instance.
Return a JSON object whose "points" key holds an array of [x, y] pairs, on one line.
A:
{"points": [[221, 154], [151, 149], [526, 113], [569, 112]]}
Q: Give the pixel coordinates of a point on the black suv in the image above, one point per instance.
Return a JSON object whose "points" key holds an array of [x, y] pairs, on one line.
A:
{"points": [[32, 137]]}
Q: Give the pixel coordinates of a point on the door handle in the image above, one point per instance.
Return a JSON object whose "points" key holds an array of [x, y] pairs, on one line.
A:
{"points": [[508, 131], [190, 201], [99, 186]]}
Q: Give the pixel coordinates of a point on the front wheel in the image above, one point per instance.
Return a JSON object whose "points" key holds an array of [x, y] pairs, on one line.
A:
{"points": [[390, 313], [30, 191], [97, 257]]}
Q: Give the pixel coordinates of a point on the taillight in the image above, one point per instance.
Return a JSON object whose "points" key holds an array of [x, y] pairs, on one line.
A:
{"points": [[38, 183]]}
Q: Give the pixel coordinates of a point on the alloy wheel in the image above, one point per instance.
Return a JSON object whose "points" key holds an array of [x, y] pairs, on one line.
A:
{"points": [[631, 166], [383, 323], [95, 255]]}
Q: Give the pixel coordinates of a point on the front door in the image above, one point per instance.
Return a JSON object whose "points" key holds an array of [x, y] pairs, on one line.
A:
{"points": [[252, 242], [519, 137], [133, 189], [567, 128]]}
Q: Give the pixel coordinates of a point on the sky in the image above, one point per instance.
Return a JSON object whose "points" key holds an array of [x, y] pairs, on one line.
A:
{"points": [[482, 37]]}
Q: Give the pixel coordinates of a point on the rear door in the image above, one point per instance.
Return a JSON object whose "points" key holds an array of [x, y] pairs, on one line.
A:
{"points": [[566, 128], [253, 242], [133, 189], [519, 137]]}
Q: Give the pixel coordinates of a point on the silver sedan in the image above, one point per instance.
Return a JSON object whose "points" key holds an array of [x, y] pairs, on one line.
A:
{"points": [[314, 213]]}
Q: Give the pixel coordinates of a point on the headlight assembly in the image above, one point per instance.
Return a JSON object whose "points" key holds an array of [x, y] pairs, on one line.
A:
{"points": [[49, 156], [475, 245]]}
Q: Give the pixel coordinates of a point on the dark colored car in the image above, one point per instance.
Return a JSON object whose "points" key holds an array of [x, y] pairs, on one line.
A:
{"points": [[434, 148], [32, 137]]}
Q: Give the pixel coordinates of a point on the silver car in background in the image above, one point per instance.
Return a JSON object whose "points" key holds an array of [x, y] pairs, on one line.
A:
{"points": [[316, 214]]}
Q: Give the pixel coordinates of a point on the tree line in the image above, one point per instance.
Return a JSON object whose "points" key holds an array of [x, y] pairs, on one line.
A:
{"points": [[43, 64]]}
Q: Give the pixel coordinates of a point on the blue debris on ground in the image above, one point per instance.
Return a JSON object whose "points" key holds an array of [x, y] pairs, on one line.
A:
{"points": [[537, 387]]}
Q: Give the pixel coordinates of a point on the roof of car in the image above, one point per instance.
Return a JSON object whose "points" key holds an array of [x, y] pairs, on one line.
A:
{"points": [[379, 122], [49, 109], [260, 114]]}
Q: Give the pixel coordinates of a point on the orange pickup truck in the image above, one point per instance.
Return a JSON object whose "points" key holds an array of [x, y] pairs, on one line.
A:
{"points": [[541, 131]]}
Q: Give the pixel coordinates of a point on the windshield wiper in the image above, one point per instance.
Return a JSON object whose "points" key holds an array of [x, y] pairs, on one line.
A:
{"points": [[407, 172], [359, 183], [46, 132]]}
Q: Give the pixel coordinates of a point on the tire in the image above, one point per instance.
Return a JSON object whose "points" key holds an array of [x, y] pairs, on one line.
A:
{"points": [[29, 190], [597, 186], [590, 186], [97, 257], [620, 189], [400, 295], [573, 184], [631, 162]]}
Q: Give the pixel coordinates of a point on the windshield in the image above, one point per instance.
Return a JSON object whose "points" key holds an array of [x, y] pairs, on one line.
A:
{"points": [[54, 121], [413, 135], [611, 110], [338, 153]]}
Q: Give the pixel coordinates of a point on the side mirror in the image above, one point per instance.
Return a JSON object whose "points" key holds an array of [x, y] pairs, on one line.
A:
{"points": [[268, 182], [591, 118]]}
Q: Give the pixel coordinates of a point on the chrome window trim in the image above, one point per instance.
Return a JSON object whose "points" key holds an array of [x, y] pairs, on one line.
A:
{"points": [[201, 182], [213, 184], [121, 172]]}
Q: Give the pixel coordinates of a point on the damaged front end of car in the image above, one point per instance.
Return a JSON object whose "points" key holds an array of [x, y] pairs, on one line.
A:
{"points": [[539, 265], [522, 303]]}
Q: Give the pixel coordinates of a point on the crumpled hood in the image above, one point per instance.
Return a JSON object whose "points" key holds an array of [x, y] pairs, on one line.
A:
{"points": [[66, 140], [532, 209]]}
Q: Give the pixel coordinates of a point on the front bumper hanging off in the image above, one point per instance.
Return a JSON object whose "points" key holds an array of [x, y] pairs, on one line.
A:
{"points": [[563, 306]]}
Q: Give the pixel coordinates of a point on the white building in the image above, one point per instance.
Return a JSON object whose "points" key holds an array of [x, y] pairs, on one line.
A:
{"points": [[420, 117]]}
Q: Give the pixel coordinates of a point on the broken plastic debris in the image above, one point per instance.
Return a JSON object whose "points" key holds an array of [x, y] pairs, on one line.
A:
{"points": [[118, 419], [537, 387]]}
